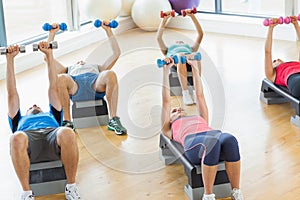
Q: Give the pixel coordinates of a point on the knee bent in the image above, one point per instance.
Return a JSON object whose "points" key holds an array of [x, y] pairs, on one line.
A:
{"points": [[65, 134], [19, 140]]}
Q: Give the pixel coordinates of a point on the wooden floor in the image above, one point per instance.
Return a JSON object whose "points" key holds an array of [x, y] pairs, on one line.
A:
{"points": [[128, 167]]}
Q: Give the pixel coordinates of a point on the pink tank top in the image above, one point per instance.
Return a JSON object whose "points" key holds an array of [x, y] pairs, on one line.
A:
{"points": [[284, 70], [188, 125]]}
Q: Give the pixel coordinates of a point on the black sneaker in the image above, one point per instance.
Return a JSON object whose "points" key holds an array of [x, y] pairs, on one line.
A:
{"points": [[114, 124]]}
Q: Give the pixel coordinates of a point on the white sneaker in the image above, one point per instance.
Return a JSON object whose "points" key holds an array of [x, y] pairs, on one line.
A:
{"points": [[27, 196], [186, 97], [236, 194], [208, 197], [72, 193]]}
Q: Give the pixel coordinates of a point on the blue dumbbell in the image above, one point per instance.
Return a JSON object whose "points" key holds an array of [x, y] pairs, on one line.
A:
{"points": [[48, 27], [112, 24], [197, 56], [161, 63]]}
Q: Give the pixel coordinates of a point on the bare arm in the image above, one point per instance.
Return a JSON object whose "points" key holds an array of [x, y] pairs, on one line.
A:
{"points": [[201, 102], [12, 93], [163, 47], [269, 70], [59, 67], [296, 25], [166, 101], [109, 63], [200, 32], [54, 99]]}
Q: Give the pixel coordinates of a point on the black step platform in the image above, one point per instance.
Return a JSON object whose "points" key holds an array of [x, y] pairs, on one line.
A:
{"points": [[47, 178], [172, 152], [92, 113], [274, 94]]}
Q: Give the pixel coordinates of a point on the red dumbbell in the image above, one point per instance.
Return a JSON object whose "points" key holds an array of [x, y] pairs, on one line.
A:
{"points": [[163, 14], [268, 22], [193, 11]]}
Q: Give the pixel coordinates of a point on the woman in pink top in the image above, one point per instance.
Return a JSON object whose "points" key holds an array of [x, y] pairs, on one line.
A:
{"points": [[282, 73], [202, 144]]}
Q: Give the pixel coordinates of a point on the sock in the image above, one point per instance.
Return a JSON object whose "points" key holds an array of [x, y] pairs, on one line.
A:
{"points": [[70, 185], [185, 92], [26, 193], [209, 195]]}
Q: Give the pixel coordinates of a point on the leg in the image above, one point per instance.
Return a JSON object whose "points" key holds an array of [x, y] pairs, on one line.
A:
{"points": [[107, 82], [66, 87], [20, 158], [182, 75], [208, 176], [230, 150], [66, 140]]}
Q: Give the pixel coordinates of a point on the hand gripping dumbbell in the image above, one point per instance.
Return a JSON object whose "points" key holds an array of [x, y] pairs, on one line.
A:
{"points": [[197, 56], [48, 27], [4, 50], [268, 22], [193, 11], [161, 62], [163, 14], [288, 20], [53, 45], [112, 24]]}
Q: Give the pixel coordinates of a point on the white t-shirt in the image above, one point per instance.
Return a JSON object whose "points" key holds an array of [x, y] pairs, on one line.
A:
{"points": [[75, 70]]}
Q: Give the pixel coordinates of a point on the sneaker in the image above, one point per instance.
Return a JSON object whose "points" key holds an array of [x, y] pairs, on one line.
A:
{"points": [[72, 193], [236, 194], [186, 97], [208, 197], [27, 196], [114, 124]]}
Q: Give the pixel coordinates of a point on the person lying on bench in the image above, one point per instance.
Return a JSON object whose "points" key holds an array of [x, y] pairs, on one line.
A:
{"points": [[202, 144], [37, 136], [180, 48], [85, 81], [279, 72]]}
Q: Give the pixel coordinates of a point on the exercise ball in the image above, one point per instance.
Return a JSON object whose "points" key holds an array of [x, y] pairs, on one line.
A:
{"points": [[103, 9], [146, 13], [126, 8], [179, 5]]}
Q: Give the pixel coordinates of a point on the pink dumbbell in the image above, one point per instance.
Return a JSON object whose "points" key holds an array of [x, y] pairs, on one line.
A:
{"points": [[193, 10], [268, 22], [288, 20], [163, 14]]}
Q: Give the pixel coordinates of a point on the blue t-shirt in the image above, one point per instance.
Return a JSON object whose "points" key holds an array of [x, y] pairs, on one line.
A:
{"points": [[51, 119], [179, 48]]}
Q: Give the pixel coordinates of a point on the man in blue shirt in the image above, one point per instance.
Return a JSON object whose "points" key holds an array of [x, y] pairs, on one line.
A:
{"points": [[37, 136]]}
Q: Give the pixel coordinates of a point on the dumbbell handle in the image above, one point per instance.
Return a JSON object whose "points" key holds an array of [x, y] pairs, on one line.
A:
{"points": [[112, 24], [53, 45], [163, 14], [48, 27], [193, 10], [197, 56], [4, 50], [161, 62]]}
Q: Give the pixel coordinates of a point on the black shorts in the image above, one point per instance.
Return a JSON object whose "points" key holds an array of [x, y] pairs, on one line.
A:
{"points": [[42, 145], [294, 85]]}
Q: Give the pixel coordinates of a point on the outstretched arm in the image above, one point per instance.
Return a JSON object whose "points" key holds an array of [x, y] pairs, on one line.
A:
{"points": [[200, 32], [201, 102], [52, 32], [54, 99], [109, 63], [163, 47], [12, 93], [296, 25], [269, 70], [166, 100]]}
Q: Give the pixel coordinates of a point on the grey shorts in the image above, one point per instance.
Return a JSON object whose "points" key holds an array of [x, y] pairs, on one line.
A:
{"points": [[42, 145]]}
